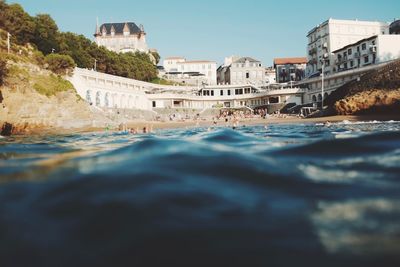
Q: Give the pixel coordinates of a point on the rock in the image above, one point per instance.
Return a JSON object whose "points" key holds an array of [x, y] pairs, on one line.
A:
{"points": [[6, 129], [378, 91]]}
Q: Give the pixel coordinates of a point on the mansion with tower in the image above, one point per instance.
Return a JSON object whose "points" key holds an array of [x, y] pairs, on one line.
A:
{"points": [[121, 37]]}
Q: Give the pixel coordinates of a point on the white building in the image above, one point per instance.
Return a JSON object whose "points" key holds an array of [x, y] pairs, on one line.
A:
{"points": [[373, 50], [334, 34], [113, 92], [195, 72], [244, 70], [270, 76], [121, 37]]}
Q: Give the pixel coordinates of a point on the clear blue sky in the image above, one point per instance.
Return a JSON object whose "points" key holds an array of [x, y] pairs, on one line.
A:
{"points": [[214, 29]]}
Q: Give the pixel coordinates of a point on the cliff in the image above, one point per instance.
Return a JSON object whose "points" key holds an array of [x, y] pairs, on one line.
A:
{"points": [[376, 92], [35, 100]]}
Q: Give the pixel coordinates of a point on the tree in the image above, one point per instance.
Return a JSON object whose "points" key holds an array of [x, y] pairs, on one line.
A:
{"points": [[60, 64], [156, 57], [46, 33], [15, 20], [3, 71]]}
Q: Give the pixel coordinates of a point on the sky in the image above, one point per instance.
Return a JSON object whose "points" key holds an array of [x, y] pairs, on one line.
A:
{"points": [[215, 29]]}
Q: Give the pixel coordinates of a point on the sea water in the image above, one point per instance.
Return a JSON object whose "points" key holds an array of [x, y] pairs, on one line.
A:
{"points": [[281, 195]]}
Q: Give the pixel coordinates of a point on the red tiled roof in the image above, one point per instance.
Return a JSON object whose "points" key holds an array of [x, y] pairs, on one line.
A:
{"points": [[290, 60]]}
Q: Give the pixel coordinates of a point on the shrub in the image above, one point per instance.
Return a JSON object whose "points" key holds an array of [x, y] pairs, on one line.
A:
{"points": [[3, 71], [51, 85], [60, 64]]}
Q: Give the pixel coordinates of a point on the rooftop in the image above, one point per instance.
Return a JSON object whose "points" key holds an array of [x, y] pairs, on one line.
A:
{"points": [[197, 61], [290, 60], [244, 59], [119, 28], [174, 58]]}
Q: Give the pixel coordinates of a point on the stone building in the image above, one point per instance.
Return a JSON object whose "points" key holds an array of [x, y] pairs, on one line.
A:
{"points": [[121, 37], [240, 71], [334, 34], [290, 69], [190, 72]]}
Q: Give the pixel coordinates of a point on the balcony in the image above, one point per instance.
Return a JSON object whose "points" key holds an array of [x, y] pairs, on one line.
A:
{"points": [[312, 51], [312, 61]]}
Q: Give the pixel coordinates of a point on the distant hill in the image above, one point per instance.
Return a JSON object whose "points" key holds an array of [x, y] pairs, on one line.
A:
{"points": [[376, 92]]}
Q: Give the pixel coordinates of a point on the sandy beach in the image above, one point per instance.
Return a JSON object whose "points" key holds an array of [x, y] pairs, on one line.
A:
{"points": [[157, 125]]}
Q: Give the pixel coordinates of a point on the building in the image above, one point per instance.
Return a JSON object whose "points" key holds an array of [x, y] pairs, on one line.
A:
{"points": [[112, 92], [395, 27], [190, 72], [121, 37], [334, 34], [239, 71], [270, 76], [290, 69], [369, 51]]}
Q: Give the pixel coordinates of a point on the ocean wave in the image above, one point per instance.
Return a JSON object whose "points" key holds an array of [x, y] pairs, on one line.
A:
{"points": [[203, 197]]}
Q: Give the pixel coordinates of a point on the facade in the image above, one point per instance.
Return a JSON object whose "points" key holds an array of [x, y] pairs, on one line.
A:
{"points": [[121, 37], [334, 34], [270, 76], [370, 51], [290, 69], [190, 72], [244, 70], [113, 92]]}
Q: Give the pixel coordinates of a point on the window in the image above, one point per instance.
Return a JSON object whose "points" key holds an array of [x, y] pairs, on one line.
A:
{"points": [[350, 51], [154, 104], [366, 59], [247, 75], [229, 92], [238, 91], [364, 46], [359, 62], [352, 63], [345, 65], [212, 92], [358, 49], [221, 92]]}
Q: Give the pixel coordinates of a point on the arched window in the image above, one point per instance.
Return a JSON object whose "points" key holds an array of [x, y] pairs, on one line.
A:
{"points": [[106, 100], [98, 99], [88, 97], [314, 99], [326, 95], [319, 97]]}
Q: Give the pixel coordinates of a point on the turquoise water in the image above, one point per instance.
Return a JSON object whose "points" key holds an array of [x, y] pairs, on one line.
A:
{"points": [[282, 195]]}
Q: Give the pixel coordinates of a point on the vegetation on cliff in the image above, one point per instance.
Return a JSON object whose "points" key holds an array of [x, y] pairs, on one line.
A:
{"points": [[377, 91], [60, 64], [3, 71], [43, 33]]}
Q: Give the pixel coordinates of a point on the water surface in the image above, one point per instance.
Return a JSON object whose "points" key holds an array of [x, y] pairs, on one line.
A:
{"points": [[282, 195]]}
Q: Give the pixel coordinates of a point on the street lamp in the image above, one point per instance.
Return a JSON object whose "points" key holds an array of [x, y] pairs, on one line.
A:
{"points": [[325, 57]]}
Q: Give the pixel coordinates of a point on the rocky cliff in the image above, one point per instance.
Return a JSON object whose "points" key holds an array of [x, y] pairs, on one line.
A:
{"points": [[376, 92], [34, 100]]}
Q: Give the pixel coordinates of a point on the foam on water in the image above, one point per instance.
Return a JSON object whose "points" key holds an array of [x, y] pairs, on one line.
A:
{"points": [[200, 197]]}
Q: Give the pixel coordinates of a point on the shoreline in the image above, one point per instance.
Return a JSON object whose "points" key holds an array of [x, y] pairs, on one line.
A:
{"points": [[165, 125]]}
